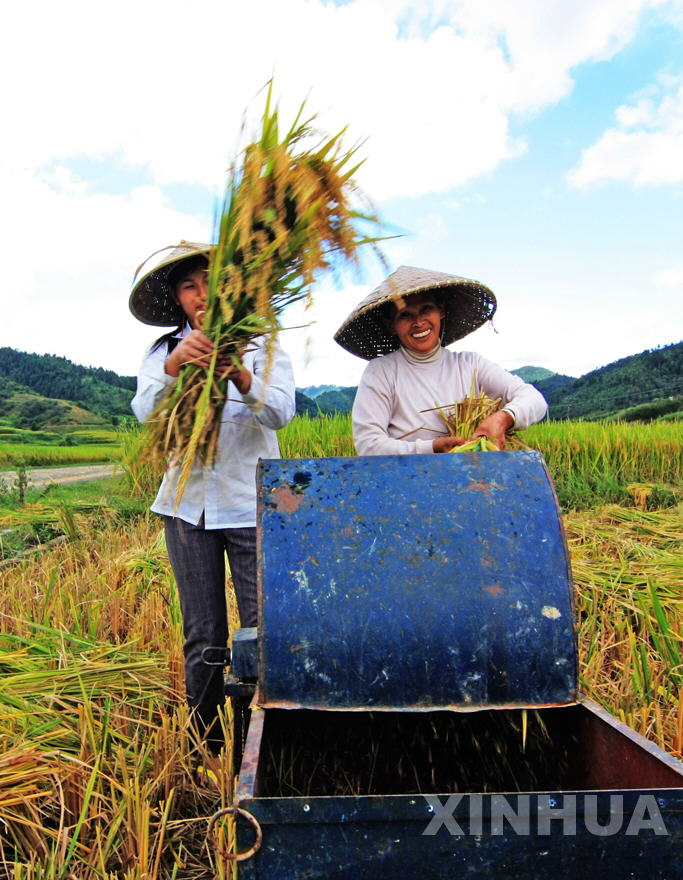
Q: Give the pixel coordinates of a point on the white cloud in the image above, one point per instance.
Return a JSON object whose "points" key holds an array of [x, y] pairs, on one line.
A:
{"points": [[671, 277], [157, 90], [143, 87], [541, 41], [71, 260], [645, 146]]}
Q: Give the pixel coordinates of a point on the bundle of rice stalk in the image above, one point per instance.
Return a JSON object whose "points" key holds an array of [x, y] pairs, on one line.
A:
{"points": [[288, 214], [464, 417]]}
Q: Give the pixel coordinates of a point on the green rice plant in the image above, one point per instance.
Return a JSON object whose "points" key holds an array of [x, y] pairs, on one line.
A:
{"points": [[666, 641], [462, 418], [142, 473], [593, 462], [31, 455], [96, 759], [24, 529], [315, 437], [590, 462], [44, 514]]}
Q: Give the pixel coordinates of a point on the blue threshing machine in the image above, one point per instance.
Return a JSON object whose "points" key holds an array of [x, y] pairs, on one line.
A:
{"points": [[416, 709]]}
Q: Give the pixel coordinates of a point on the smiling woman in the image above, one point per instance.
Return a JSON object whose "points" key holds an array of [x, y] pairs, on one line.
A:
{"points": [[402, 328], [417, 323]]}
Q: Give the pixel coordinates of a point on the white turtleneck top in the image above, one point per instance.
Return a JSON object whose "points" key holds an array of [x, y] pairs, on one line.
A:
{"points": [[387, 417]]}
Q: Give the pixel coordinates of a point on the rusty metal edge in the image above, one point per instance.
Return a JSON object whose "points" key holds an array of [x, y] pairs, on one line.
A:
{"points": [[246, 779], [636, 738], [261, 700]]}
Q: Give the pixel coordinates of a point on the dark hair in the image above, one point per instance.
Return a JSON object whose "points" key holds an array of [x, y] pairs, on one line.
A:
{"points": [[168, 338], [176, 273], [183, 268]]}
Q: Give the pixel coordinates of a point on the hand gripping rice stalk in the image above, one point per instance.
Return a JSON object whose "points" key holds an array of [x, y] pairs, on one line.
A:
{"points": [[464, 417], [288, 215]]}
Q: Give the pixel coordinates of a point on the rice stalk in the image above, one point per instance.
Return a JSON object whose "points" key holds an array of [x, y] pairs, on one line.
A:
{"points": [[464, 417], [461, 419], [289, 213]]}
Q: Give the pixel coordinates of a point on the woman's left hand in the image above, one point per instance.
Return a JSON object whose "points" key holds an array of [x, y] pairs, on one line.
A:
{"points": [[239, 376], [237, 373], [495, 427]]}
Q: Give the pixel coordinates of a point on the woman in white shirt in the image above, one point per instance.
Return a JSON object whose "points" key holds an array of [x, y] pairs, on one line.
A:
{"points": [[217, 512], [402, 328]]}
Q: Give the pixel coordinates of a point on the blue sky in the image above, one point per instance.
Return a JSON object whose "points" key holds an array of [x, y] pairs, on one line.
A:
{"points": [[535, 145]]}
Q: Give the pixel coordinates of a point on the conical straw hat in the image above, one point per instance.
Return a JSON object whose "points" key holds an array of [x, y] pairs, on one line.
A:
{"points": [[151, 298], [467, 304]]}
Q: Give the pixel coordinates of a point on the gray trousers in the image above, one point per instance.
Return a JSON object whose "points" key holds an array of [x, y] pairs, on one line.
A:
{"points": [[198, 559]]}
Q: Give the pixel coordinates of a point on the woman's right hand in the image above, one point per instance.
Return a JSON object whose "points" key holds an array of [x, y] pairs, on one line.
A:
{"points": [[194, 348], [445, 444]]}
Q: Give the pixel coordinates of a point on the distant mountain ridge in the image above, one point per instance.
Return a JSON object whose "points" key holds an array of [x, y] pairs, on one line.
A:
{"points": [[312, 391], [654, 374], [325, 399], [545, 380], [533, 374], [36, 390], [651, 375]]}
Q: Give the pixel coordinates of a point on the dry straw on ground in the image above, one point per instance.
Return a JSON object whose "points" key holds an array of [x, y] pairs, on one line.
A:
{"points": [[628, 572], [97, 775]]}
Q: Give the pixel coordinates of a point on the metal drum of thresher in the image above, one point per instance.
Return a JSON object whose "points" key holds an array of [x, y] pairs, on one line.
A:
{"points": [[413, 582], [417, 660]]}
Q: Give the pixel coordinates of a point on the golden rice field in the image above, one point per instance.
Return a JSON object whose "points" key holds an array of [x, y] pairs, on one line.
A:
{"points": [[97, 775]]}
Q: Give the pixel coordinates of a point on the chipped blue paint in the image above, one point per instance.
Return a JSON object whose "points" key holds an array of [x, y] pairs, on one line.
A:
{"points": [[413, 582]]}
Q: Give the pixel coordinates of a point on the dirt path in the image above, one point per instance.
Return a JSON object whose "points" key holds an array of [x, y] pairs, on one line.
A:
{"points": [[81, 474]]}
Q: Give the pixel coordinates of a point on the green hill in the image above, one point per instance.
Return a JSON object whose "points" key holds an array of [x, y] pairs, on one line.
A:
{"points": [[553, 383], [337, 400], [662, 408], [312, 391], [25, 409], [329, 399], [545, 380], [39, 390], [304, 405], [533, 374], [639, 379]]}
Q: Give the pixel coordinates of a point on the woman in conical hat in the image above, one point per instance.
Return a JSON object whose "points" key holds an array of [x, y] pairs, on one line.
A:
{"points": [[402, 328], [217, 512]]}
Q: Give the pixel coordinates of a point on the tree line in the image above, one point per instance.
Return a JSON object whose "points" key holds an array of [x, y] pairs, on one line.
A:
{"points": [[93, 388]]}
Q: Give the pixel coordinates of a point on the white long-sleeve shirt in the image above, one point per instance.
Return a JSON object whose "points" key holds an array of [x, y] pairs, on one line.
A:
{"points": [[387, 417], [226, 492]]}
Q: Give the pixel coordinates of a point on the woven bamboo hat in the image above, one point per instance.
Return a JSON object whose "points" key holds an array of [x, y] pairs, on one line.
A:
{"points": [[467, 305], [151, 299]]}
